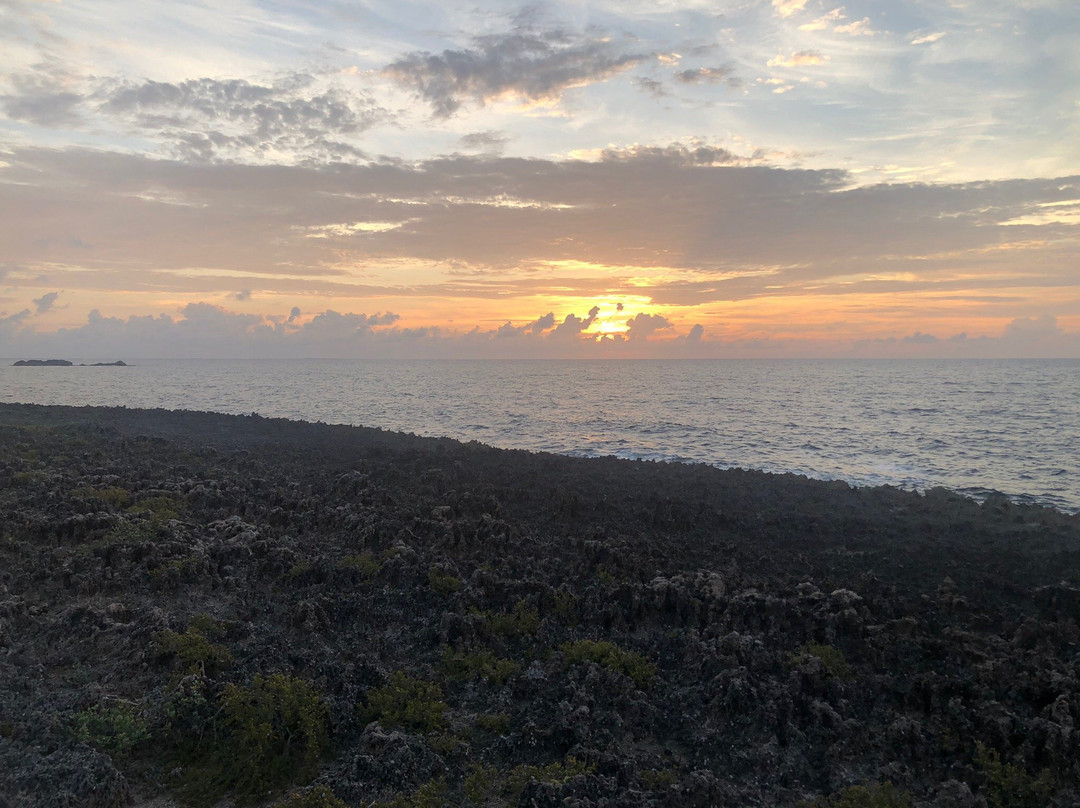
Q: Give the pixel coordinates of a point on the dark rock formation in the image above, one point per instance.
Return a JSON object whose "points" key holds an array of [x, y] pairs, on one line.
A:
{"points": [[42, 363], [450, 624]]}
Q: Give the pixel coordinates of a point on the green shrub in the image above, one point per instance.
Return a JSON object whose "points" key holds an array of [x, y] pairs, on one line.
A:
{"points": [[832, 658], [443, 583], [189, 713], [610, 656], [445, 744], [495, 723], [299, 569], [209, 626], [278, 731], [407, 702], [480, 783], [658, 779], [1009, 785], [522, 620], [871, 795], [462, 665], [484, 782], [317, 797], [192, 651], [111, 495], [367, 564], [129, 532], [161, 508], [430, 795], [24, 479], [566, 609], [116, 729], [175, 570]]}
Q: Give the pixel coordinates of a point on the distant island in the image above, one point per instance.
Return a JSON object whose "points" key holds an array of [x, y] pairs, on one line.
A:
{"points": [[66, 363]]}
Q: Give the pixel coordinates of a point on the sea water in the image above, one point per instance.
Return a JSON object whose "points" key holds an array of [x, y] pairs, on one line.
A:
{"points": [[975, 426]]}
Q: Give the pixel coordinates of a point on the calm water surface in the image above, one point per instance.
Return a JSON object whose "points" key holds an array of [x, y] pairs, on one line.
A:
{"points": [[974, 426]]}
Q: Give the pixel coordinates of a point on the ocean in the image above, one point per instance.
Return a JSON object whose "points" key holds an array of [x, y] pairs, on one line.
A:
{"points": [[974, 426]]}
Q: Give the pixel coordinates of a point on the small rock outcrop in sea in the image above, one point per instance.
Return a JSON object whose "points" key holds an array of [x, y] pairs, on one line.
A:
{"points": [[201, 609], [42, 363]]}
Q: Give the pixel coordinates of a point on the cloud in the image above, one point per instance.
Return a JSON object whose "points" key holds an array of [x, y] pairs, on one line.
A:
{"points": [[45, 302], [331, 325], [676, 153], [294, 314], [710, 75], [706, 227], [543, 323], [573, 325], [207, 118], [243, 294], [785, 8], [491, 142], [527, 64], [651, 86], [834, 21], [12, 322], [918, 338], [1023, 337], [42, 102], [826, 21], [537, 326], [205, 330], [804, 58], [642, 326], [927, 39], [861, 27], [1028, 328]]}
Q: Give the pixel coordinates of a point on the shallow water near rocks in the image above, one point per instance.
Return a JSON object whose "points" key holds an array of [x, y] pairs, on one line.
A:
{"points": [[975, 426]]}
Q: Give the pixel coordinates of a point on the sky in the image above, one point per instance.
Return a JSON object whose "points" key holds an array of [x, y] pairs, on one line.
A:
{"points": [[630, 178]]}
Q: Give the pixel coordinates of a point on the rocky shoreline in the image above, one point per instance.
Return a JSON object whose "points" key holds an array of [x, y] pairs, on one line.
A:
{"points": [[200, 609]]}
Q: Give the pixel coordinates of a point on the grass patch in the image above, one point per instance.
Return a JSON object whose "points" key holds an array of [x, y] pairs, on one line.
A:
{"points": [[495, 723], [366, 564], [832, 658], [487, 782], [871, 795], [430, 795], [519, 622], [610, 656], [317, 797], [464, 665], [191, 650], [111, 495], [407, 702], [116, 730], [443, 583]]}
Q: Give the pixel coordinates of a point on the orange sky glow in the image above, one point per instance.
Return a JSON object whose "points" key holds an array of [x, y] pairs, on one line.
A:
{"points": [[750, 179]]}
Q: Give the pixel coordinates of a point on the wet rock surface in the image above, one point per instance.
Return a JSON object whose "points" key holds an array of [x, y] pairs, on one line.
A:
{"points": [[435, 623]]}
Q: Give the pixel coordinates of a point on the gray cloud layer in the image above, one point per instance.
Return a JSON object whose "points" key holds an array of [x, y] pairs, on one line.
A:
{"points": [[535, 65], [729, 232]]}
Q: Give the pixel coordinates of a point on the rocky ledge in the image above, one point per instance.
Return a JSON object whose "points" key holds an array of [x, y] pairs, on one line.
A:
{"points": [[201, 609]]}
